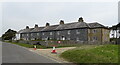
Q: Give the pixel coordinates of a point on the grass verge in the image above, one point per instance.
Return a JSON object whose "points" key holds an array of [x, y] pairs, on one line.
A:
{"points": [[38, 46], [28, 45], [92, 54]]}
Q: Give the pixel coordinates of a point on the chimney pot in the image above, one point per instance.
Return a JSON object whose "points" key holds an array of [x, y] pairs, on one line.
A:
{"points": [[61, 21], [47, 24], [36, 26], [27, 27], [80, 19]]}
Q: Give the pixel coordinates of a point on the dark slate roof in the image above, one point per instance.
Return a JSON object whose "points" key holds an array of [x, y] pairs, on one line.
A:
{"points": [[115, 27], [37, 29], [96, 25], [72, 25], [20, 31], [26, 30], [48, 28], [118, 25], [80, 25], [64, 26]]}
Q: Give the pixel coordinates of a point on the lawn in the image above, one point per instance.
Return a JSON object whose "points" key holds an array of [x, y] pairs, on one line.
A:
{"points": [[92, 54]]}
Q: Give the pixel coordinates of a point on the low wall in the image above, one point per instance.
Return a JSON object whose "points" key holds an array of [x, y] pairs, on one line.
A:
{"points": [[63, 43]]}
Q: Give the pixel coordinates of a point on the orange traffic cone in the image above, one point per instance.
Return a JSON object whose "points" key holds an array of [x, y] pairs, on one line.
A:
{"points": [[53, 51], [34, 47]]}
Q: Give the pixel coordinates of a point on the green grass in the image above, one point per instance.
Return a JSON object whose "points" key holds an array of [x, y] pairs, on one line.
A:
{"points": [[28, 45], [38, 46], [92, 54]]}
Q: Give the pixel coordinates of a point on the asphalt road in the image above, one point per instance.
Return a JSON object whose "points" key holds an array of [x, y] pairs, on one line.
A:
{"points": [[0, 53], [12, 53]]}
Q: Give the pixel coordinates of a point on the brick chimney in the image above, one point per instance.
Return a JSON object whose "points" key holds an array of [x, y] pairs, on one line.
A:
{"points": [[47, 24], [27, 27], [80, 19], [36, 26], [61, 21]]}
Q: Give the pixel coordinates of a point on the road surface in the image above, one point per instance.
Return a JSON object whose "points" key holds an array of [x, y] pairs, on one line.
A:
{"points": [[12, 53], [0, 53]]}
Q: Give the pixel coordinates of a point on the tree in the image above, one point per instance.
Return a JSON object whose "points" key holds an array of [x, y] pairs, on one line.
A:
{"points": [[9, 34]]}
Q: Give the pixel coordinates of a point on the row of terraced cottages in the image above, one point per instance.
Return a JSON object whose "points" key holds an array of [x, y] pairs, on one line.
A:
{"points": [[78, 31]]}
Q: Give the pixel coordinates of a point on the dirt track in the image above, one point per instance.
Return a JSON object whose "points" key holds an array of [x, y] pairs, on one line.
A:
{"points": [[47, 53]]}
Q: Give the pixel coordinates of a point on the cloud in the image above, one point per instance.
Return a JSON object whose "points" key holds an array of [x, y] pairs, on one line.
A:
{"points": [[17, 15], [59, 0]]}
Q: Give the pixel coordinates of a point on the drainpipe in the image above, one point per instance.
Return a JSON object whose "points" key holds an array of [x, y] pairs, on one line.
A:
{"points": [[116, 36], [101, 35]]}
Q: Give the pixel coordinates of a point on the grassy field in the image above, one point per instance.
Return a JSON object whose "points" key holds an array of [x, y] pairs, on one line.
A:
{"points": [[92, 54]]}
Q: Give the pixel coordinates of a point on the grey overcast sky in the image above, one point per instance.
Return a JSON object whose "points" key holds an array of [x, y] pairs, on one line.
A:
{"points": [[17, 15]]}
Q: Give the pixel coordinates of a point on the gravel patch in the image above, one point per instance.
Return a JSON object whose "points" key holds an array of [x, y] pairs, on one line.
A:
{"points": [[54, 56]]}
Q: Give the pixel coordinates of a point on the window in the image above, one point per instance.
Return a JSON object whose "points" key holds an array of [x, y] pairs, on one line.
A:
{"points": [[27, 34], [57, 38], [37, 34], [32, 39], [43, 39], [50, 38], [31, 34], [50, 33], [77, 32], [94, 31], [68, 38], [94, 38], [22, 35], [27, 38], [77, 39], [68, 31], [43, 34], [58, 33], [62, 38]]}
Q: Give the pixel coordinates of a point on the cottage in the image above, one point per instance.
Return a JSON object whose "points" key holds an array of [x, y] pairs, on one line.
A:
{"points": [[115, 33], [78, 31]]}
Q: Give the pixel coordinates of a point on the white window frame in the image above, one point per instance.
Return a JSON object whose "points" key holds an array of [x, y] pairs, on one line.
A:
{"points": [[27, 34], [27, 39], [58, 32], [77, 32], [57, 38], [22, 35], [50, 38], [31, 34], [43, 33], [77, 39], [32, 38], [37, 34], [63, 38], [69, 31], [51, 33]]}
